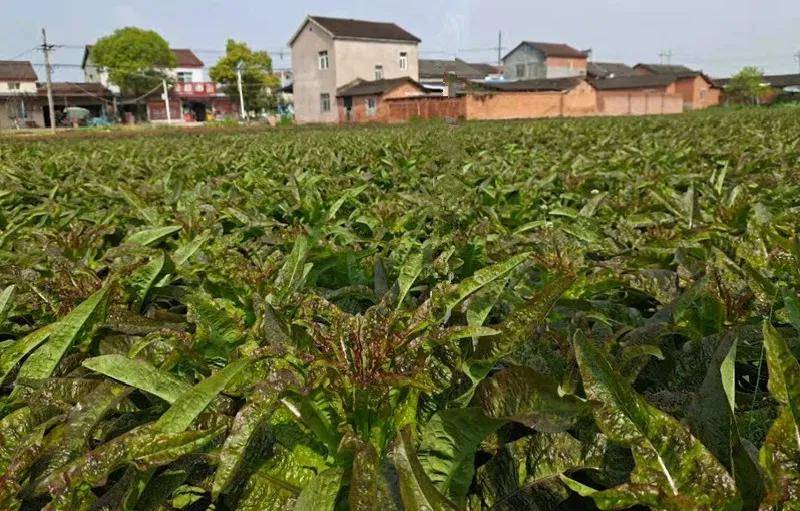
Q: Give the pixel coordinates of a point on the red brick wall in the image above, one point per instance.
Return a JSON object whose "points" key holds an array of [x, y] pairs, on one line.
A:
{"points": [[697, 93], [565, 62], [638, 103], [580, 101], [434, 107]]}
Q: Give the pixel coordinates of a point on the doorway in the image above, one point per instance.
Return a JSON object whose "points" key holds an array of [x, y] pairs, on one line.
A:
{"points": [[348, 107], [199, 111]]}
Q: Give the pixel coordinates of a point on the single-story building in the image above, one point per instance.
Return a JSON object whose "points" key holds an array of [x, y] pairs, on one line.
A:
{"points": [[599, 70], [695, 89], [366, 101]]}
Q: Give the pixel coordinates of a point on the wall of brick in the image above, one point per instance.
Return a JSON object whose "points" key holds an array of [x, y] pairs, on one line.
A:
{"points": [[401, 110], [697, 93], [638, 103], [513, 105]]}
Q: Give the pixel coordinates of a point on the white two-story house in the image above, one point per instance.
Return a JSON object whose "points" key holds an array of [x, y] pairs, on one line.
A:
{"points": [[329, 53], [18, 92]]}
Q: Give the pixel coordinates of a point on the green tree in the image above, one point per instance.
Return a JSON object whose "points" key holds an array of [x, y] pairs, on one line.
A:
{"points": [[136, 59], [747, 86], [258, 81]]}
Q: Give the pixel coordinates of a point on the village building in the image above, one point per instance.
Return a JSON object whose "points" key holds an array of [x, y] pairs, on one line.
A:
{"points": [[192, 97], [531, 60], [599, 70], [17, 92], [436, 74], [365, 101], [329, 53]]}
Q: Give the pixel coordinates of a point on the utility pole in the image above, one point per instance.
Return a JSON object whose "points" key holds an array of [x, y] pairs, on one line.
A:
{"points": [[499, 47], [166, 102], [239, 67], [46, 49], [797, 58]]}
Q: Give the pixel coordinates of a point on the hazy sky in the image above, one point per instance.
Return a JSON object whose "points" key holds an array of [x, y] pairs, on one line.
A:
{"points": [[718, 36]]}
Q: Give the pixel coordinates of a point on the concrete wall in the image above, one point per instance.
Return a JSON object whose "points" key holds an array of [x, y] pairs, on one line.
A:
{"points": [[357, 59], [35, 115], [309, 80], [24, 88], [616, 103]]}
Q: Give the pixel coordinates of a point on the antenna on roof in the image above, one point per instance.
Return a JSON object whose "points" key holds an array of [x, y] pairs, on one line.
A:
{"points": [[665, 55]]}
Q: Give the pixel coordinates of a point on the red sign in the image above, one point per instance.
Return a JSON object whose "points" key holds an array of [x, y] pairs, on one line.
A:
{"points": [[190, 89]]}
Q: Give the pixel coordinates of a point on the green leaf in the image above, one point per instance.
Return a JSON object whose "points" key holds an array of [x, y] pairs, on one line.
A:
{"points": [[784, 372], [183, 253], [139, 374], [142, 280], [192, 403], [147, 446], [673, 469], [449, 441], [417, 492], [12, 354], [320, 415], [409, 272], [220, 326], [321, 492], [293, 273], [6, 303], [520, 394], [250, 419], [278, 481], [64, 334], [369, 489], [712, 419], [151, 236], [517, 328], [510, 478], [780, 454]]}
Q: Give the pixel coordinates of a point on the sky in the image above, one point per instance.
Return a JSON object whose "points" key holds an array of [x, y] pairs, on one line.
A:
{"points": [[717, 36]]}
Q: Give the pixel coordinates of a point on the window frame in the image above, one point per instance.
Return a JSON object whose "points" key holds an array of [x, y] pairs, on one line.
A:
{"points": [[325, 102], [14, 85], [518, 68], [379, 72], [323, 60], [180, 74], [403, 60], [372, 109]]}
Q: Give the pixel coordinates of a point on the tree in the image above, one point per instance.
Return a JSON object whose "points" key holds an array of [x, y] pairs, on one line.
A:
{"points": [[257, 78], [136, 59], [747, 86]]}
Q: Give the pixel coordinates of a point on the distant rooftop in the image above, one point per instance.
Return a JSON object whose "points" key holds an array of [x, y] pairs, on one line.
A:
{"points": [[538, 85], [666, 69], [608, 69], [552, 50], [374, 87], [437, 69], [17, 70], [360, 29], [634, 82]]}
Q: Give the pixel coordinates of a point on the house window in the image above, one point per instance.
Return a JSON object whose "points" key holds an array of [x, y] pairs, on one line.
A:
{"points": [[403, 60], [184, 77], [325, 102], [520, 70], [324, 63], [378, 72], [702, 94], [13, 85], [372, 106]]}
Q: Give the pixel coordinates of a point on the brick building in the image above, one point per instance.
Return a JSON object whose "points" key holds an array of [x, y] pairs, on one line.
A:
{"points": [[535, 60]]}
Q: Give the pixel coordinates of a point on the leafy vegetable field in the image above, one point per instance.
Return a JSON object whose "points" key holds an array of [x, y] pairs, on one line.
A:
{"points": [[570, 314]]}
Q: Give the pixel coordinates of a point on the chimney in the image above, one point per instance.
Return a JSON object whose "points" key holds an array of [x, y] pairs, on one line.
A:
{"points": [[451, 85]]}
